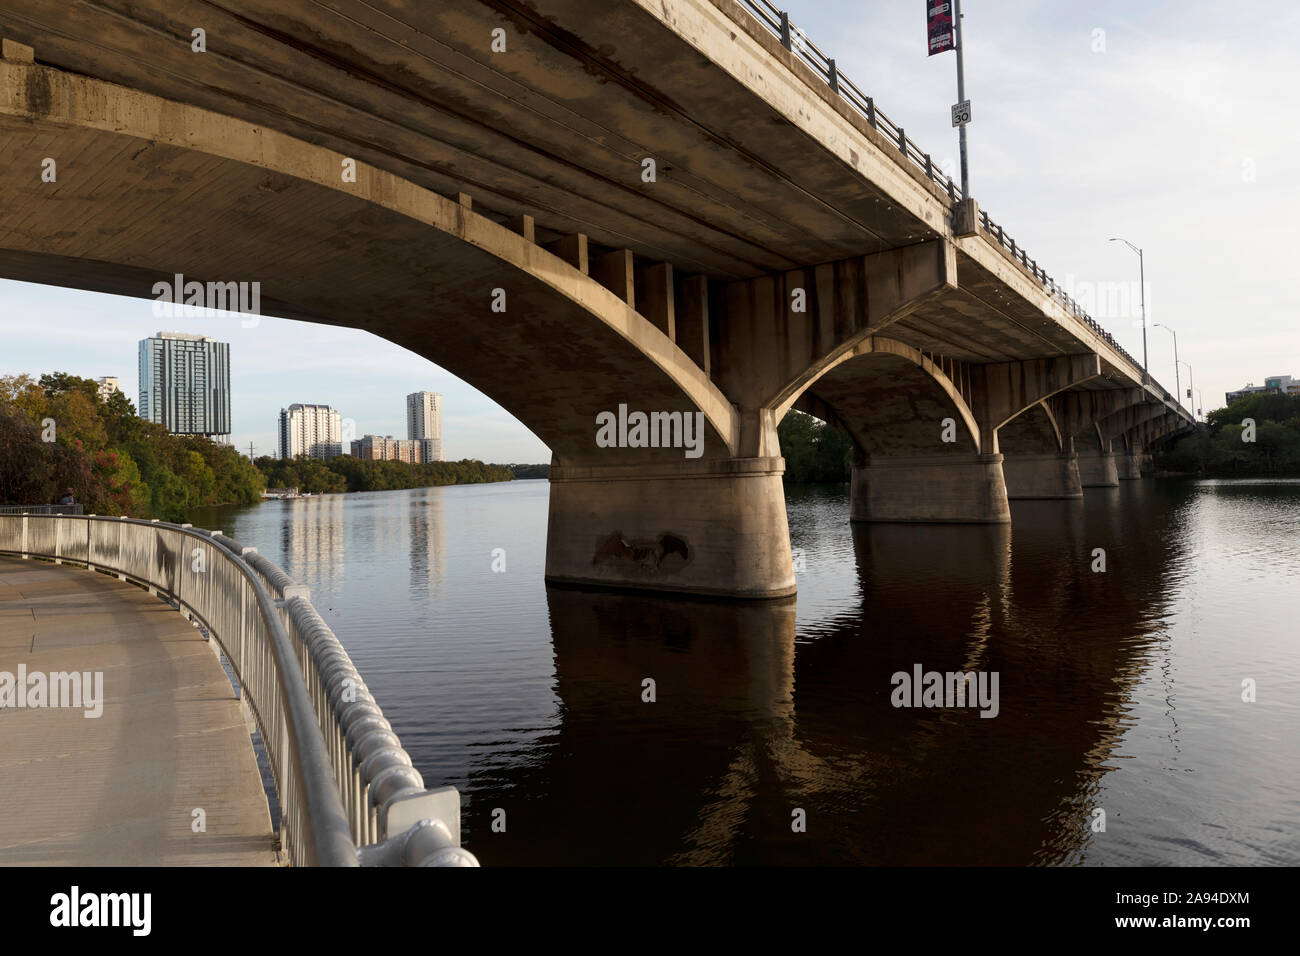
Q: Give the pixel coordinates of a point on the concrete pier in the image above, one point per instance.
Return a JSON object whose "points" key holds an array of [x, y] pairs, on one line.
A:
{"points": [[1127, 467], [941, 488], [708, 527], [1042, 476], [1098, 471]]}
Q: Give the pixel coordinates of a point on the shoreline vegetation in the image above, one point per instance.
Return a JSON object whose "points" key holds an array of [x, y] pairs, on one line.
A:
{"points": [[344, 473], [56, 433], [1219, 448], [814, 452]]}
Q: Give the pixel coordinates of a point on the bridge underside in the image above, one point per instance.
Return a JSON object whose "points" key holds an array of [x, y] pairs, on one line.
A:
{"points": [[961, 379]]}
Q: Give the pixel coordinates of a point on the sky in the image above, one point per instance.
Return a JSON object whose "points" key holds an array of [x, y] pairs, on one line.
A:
{"points": [[1170, 124]]}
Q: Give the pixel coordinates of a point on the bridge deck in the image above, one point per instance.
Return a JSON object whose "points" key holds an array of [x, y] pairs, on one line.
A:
{"points": [[121, 789]]}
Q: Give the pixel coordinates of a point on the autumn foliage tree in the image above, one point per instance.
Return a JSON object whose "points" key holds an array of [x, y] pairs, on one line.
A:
{"points": [[58, 433]]}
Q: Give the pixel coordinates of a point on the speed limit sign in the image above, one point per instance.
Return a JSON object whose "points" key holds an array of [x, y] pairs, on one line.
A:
{"points": [[961, 113]]}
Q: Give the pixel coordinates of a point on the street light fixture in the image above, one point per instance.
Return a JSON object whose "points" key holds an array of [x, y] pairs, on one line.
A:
{"points": [[1177, 381], [1191, 390], [1143, 280]]}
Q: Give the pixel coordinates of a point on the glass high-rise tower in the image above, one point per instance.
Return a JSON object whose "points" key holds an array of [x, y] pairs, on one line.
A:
{"points": [[185, 383]]}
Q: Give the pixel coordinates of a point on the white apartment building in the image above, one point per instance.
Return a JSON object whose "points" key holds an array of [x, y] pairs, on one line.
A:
{"points": [[424, 424], [108, 384], [314, 430]]}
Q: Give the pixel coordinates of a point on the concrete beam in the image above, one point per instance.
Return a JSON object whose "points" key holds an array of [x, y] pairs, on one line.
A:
{"points": [[691, 317], [616, 272], [573, 250], [525, 225], [18, 52], [656, 297]]}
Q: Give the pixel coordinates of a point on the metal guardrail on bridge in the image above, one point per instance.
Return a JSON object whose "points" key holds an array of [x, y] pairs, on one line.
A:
{"points": [[42, 509], [347, 791], [797, 42]]}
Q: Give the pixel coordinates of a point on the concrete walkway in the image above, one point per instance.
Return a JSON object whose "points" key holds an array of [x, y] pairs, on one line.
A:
{"points": [[121, 789]]}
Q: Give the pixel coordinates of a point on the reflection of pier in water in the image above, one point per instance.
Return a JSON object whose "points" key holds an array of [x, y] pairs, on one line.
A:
{"points": [[759, 729]]}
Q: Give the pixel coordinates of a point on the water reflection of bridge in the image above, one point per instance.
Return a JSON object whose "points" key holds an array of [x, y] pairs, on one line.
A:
{"points": [[752, 721]]}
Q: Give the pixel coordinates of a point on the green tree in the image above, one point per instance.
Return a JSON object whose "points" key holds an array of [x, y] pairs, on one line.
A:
{"points": [[813, 450]]}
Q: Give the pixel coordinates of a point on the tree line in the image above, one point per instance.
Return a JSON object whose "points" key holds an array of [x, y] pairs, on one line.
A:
{"points": [[345, 473], [1217, 449], [57, 433]]}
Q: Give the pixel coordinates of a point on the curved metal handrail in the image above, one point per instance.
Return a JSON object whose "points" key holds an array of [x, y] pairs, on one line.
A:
{"points": [[348, 793]]}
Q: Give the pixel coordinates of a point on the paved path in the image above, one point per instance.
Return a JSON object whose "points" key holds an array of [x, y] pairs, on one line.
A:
{"points": [[120, 789]]}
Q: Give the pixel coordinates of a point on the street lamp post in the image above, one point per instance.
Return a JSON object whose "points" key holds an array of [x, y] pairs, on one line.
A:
{"points": [[1177, 381], [1142, 278], [961, 98], [1191, 390]]}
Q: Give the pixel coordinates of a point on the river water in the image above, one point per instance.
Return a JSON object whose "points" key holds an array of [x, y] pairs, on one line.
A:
{"points": [[1121, 734]]}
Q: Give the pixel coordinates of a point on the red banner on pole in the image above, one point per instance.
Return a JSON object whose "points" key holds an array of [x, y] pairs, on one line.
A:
{"points": [[939, 21]]}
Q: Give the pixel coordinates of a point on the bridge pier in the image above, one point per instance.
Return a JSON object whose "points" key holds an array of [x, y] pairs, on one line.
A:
{"points": [[934, 489], [1098, 471], [707, 527], [1127, 467], [1043, 476]]}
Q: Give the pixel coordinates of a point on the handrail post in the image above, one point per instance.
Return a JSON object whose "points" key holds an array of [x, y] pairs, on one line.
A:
{"points": [[785, 29]]}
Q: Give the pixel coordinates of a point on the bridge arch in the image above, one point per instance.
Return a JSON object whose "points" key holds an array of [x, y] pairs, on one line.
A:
{"points": [[215, 198], [1035, 431], [892, 398]]}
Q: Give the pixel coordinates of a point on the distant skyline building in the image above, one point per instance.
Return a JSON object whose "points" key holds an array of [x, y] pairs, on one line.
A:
{"points": [[108, 384], [185, 383], [424, 423], [1283, 384], [313, 430], [388, 448]]}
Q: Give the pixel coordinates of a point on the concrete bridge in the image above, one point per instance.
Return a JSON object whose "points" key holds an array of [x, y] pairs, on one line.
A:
{"points": [[661, 209]]}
